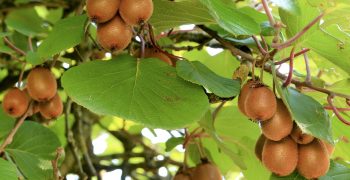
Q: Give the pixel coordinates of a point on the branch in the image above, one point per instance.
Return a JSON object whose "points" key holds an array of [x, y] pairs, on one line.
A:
{"points": [[261, 49], [56, 171], [295, 55], [13, 47], [298, 35], [226, 44], [9, 137], [339, 109], [291, 69], [335, 110]]}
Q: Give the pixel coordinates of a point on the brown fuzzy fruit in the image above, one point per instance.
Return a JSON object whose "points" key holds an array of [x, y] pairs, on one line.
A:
{"points": [[136, 11], [330, 148], [184, 175], [206, 171], [243, 96], [101, 11], [313, 160], [41, 84], [51, 109], [260, 103], [259, 146], [280, 125], [155, 53], [15, 102], [300, 137], [280, 157], [114, 35]]}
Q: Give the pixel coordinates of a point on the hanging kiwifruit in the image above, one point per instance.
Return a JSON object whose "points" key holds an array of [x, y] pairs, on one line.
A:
{"points": [[15, 102], [280, 125], [259, 146], [135, 12], [243, 96], [101, 11], [184, 174], [260, 103], [51, 109], [330, 148], [300, 137], [154, 53], [313, 160], [41, 84], [114, 35], [280, 157], [206, 171]]}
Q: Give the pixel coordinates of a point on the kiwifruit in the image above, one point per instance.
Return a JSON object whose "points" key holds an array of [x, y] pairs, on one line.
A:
{"points": [[330, 148], [101, 11], [280, 157], [114, 35], [51, 109], [243, 95], [184, 174], [280, 125], [259, 146], [15, 102], [300, 137], [135, 12], [41, 84], [155, 53], [206, 171], [260, 103], [313, 160]]}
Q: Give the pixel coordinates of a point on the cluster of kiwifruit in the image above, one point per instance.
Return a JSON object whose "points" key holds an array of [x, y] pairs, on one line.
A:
{"points": [[115, 18], [282, 147], [203, 171], [41, 88]]}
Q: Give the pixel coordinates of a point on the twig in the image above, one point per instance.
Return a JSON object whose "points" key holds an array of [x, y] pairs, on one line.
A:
{"points": [[30, 44], [295, 55], [13, 47], [307, 66], [268, 13], [217, 110], [335, 110], [226, 44], [261, 49], [298, 35], [70, 138], [291, 69], [54, 60], [56, 171], [12, 133], [266, 47]]}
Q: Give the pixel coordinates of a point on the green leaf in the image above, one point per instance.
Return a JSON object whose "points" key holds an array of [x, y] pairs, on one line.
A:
{"points": [[342, 86], [6, 123], [333, 44], [308, 114], [197, 73], [289, 6], [67, 33], [8, 170], [173, 142], [336, 172], [293, 176], [147, 91], [33, 58], [25, 21], [35, 144], [170, 14], [231, 19]]}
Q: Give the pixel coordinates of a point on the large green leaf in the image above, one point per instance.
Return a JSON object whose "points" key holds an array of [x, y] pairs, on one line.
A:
{"points": [[147, 91], [308, 114], [8, 170], [170, 14], [6, 123], [232, 20], [197, 73], [32, 148], [66, 34], [25, 21], [333, 44]]}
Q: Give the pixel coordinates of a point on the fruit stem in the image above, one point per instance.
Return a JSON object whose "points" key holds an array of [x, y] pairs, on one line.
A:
{"points": [[335, 110], [298, 35], [291, 68], [257, 42], [217, 110], [295, 55], [13, 47], [339, 109], [9, 137]]}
